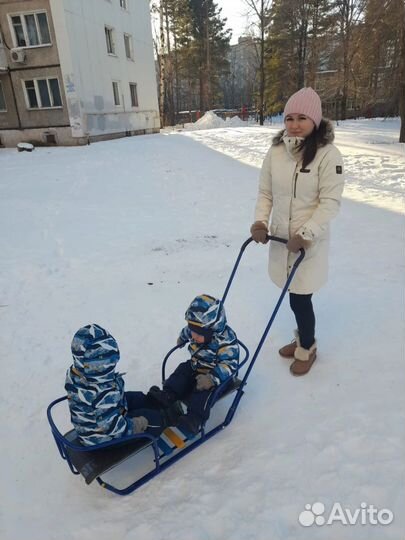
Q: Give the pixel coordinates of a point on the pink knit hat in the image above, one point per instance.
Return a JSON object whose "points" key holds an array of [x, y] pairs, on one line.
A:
{"points": [[305, 101]]}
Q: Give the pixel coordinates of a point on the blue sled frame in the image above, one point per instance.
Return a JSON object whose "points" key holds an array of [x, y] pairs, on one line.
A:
{"points": [[70, 449]]}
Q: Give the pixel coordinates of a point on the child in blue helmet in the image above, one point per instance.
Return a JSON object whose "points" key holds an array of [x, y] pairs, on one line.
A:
{"points": [[100, 409], [214, 358]]}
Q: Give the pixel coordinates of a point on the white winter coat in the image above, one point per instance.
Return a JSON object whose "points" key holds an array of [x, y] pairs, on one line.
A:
{"points": [[300, 201]]}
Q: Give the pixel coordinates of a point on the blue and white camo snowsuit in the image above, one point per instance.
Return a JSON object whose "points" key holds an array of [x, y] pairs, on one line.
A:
{"points": [[219, 357], [97, 401]]}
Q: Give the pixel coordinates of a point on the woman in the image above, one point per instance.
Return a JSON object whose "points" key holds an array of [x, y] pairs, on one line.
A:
{"points": [[301, 184]]}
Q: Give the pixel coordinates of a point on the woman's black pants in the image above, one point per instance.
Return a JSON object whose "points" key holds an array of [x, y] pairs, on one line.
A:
{"points": [[301, 304]]}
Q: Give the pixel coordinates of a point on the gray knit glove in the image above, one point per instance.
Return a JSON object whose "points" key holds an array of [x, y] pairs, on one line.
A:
{"points": [[204, 382], [259, 232], [140, 424]]}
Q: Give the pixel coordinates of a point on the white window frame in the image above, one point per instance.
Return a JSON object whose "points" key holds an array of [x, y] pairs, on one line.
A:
{"points": [[119, 104], [131, 46], [22, 15], [38, 95], [130, 94], [124, 4], [4, 99], [111, 31]]}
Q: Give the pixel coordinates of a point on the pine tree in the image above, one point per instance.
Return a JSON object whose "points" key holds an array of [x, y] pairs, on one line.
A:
{"points": [[298, 36], [210, 46], [193, 55]]}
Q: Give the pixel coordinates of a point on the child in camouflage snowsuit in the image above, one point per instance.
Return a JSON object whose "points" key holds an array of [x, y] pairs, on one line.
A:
{"points": [[214, 351], [100, 410]]}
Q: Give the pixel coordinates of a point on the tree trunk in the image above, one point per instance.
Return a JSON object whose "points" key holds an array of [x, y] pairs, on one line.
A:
{"points": [[402, 77], [346, 46], [169, 71], [176, 76], [302, 44], [208, 60], [162, 68], [262, 72], [314, 48]]}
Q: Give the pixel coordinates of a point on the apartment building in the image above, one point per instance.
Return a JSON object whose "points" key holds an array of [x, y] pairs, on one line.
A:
{"points": [[73, 71]]}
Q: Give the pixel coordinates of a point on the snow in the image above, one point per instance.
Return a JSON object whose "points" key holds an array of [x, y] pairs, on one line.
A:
{"points": [[209, 120], [235, 121], [125, 233]]}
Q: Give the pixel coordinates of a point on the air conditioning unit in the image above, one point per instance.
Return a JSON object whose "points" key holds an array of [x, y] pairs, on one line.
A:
{"points": [[18, 55]]}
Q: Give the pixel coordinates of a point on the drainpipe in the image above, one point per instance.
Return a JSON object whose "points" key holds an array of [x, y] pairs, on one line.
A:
{"points": [[15, 100]]}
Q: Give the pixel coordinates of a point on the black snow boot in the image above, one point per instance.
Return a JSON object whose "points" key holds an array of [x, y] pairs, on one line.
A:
{"points": [[172, 414], [189, 422], [163, 398]]}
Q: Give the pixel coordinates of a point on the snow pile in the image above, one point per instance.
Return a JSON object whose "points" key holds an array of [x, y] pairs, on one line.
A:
{"points": [[209, 121], [235, 121]]}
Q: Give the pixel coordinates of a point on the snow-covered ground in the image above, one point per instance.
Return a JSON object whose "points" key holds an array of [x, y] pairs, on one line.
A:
{"points": [[125, 233]]}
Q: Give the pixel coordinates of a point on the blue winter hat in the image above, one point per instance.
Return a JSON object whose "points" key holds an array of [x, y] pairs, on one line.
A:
{"points": [[94, 350], [205, 311]]}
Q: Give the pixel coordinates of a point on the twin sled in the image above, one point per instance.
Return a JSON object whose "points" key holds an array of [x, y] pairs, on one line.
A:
{"points": [[143, 455]]}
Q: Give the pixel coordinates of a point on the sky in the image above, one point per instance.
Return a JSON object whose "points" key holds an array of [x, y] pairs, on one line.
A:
{"points": [[235, 12]]}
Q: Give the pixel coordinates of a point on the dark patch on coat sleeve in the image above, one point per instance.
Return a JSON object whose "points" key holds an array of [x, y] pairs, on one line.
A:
{"points": [[339, 169]]}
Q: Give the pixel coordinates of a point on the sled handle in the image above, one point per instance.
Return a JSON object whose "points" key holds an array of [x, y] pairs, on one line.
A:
{"points": [[242, 249], [166, 358]]}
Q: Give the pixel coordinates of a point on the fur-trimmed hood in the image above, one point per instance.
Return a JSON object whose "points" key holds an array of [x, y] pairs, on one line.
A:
{"points": [[325, 124]]}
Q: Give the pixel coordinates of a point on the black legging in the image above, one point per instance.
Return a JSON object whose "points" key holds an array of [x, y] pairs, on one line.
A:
{"points": [[301, 304]]}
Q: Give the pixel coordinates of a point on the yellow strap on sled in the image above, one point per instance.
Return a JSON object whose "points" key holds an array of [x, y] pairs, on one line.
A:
{"points": [[175, 439]]}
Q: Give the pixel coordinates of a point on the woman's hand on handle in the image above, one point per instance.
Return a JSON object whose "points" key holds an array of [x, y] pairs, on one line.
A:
{"points": [[259, 232], [296, 242]]}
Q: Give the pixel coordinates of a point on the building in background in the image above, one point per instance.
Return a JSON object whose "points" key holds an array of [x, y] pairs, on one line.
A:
{"points": [[73, 71], [240, 86]]}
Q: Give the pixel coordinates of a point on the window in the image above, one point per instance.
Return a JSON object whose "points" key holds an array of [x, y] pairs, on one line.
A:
{"points": [[30, 30], [133, 87], [116, 92], [124, 4], [43, 93], [129, 50], [109, 38], [2, 99]]}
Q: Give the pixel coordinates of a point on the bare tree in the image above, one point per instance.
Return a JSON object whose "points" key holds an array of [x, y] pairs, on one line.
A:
{"points": [[162, 65], [156, 9], [259, 9]]}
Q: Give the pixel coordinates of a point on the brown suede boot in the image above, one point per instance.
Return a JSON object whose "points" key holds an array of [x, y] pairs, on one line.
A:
{"points": [[303, 360], [288, 350]]}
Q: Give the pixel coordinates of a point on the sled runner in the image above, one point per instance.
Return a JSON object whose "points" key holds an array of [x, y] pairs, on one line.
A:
{"points": [[148, 455]]}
